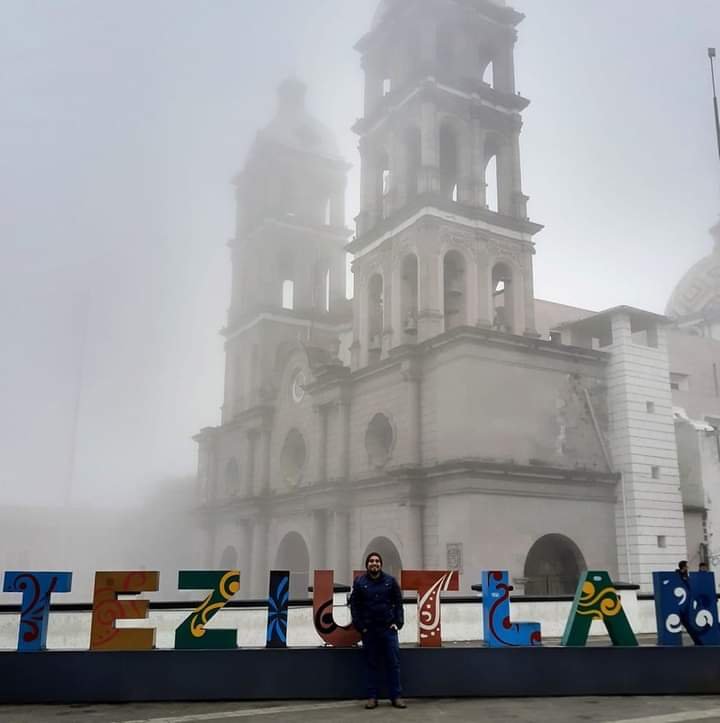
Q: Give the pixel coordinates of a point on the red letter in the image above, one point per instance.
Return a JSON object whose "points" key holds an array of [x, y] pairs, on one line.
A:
{"points": [[429, 584]]}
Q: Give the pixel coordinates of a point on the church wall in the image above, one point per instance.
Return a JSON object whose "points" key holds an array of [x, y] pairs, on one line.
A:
{"points": [[695, 356], [384, 393], [497, 531], [485, 402]]}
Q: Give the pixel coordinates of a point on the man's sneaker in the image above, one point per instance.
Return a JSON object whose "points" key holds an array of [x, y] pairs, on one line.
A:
{"points": [[398, 703], [372, 703]]}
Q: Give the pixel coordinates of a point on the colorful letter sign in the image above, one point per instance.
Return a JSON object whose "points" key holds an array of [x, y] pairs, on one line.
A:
{"points": [[686, 603], [278, 596], [596, 599], [499, 631], [429, 584], [191, 633], [107, 609], [340, 636], [36, 589]]}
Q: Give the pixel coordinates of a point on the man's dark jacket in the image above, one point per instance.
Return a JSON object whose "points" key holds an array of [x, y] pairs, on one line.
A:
{"points": [[376, 604]]}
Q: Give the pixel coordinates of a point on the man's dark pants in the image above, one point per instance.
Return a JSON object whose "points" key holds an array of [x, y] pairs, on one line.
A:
{"points": [[381, 646]]}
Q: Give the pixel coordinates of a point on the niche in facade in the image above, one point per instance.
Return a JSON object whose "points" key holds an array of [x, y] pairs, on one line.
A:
{"points": [[293, 457], [409, 298], [379, 440], [502, 285], [375, 317], [455, 291]]}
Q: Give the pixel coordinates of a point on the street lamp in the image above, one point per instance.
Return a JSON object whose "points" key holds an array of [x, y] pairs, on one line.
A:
{"points": [[711, 56]]}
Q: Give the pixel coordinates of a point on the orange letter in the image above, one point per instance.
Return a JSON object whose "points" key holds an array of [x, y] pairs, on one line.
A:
{"points": [[107, 609], [429, 584]]}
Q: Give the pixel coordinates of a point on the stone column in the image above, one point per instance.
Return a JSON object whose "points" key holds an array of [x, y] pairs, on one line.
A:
{"points": [[485, 291], [338, 545], [265, 442], [478, 164], [319, 532], [506, 179], [430, 277], [344, 417], [322, 412], [529, 285], [429, 150], [412, 375], [388, 305], [253, 482], [504, 67], [259, 564]]}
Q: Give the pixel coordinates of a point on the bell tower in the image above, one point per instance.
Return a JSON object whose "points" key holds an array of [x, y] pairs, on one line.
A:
{"points": [[443, 238], [288, 256]]}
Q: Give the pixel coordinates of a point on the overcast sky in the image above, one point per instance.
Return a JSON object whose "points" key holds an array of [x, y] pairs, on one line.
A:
{"points": [[123, 122]]}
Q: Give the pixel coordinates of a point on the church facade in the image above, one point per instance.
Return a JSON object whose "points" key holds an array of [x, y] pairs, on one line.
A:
{"points": [[444, 417]]}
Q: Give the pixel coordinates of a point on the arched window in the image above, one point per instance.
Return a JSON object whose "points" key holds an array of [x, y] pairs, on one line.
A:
{"points": [[292, 458], [383, 185], [387, 86], [491, 176], [232, 477], [455, 293], [409, 298], [288, 294], [293, 555], [392, 564], [553, 566], [448, 163], [326, 295], [488, 76], [375, 317], [412, 161], [502, 291], [379, 439]]}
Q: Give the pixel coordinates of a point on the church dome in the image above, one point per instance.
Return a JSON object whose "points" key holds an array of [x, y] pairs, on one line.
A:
{"points": [[699, 288], [293, 127]]}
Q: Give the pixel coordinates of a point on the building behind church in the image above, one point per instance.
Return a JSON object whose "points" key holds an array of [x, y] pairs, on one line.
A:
{"points": [[444, 417]]}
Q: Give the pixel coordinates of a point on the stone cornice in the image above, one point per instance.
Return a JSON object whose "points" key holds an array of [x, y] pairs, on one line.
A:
{"points": [[433, 206]]}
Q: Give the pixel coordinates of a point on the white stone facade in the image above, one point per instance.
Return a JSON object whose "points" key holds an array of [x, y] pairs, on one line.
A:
{"points": [[459, 432]]}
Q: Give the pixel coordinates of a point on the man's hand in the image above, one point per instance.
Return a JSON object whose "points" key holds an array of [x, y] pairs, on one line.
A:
{"points": [[394, 627]]}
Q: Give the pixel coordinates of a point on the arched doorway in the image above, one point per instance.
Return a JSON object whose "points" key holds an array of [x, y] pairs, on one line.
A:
{"points": [[293, 555], [553, 566], [392, 564]]}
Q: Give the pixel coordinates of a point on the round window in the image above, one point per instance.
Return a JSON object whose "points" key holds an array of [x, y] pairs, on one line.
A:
{"points": [[298, 387]]}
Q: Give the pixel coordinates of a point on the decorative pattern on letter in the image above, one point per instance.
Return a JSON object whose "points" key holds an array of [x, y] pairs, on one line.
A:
{"points": [[107, 609], [36, 589], [191, 634], [278, 596], [596, 599], [499, 631], [340, 636], [429, 584], [689, 604]]}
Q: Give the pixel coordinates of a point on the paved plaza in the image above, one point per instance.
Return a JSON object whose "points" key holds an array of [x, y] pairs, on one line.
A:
{"points": [[535, 710]]}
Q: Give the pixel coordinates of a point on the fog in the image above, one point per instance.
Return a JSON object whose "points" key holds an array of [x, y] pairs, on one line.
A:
{"points": [[123, 124]]}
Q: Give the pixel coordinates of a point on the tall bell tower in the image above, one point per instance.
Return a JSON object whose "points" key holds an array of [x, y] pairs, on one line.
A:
{"points": [[288, 254], [443, 238]]}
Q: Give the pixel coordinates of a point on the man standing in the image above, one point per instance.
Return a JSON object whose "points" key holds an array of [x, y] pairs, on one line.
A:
{"points": [[377, 612]]}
